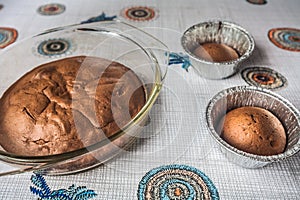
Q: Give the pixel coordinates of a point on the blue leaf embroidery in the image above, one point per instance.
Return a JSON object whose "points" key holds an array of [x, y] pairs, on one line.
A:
{"points": [[42, 190], [179, 58], [99, 18]]}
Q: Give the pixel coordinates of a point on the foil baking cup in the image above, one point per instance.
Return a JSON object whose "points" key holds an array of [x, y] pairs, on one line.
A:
{"points": [[239, 96], [221, 32]]}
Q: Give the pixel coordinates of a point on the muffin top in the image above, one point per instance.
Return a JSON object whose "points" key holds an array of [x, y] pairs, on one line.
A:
{"points": [[215, 52], [254, 130]]}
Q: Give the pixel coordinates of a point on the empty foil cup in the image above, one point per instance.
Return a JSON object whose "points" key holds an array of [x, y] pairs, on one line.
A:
{"points": [[220, 32], [235, 97]]}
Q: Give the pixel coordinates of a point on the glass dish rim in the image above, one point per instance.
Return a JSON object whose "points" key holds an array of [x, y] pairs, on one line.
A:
{"points": [[48, 160]]}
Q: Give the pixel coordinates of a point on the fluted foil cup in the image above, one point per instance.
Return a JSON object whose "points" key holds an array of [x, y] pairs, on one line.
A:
{"points": [[222, 32], [239, 96]]}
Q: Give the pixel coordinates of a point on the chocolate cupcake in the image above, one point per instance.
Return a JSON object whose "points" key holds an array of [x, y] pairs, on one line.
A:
{"points": [[254, 130], [215, 52]]}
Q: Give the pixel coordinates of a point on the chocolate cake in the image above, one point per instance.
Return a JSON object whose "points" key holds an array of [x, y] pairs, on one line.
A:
{"points": [[68, 104]]}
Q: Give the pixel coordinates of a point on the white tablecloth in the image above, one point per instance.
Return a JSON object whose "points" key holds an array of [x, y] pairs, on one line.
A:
{"points": [[178, 133]]}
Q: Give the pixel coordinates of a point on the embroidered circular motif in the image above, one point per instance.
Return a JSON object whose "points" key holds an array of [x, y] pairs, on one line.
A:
{"points": [[7, 36], [285, 38], [139, 13], [258, 2], [264, 77], [54, 47], [51, 9], [176, 182]]}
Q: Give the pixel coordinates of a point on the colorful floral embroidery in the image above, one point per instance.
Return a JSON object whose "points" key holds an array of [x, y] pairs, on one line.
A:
{"points": [[285, 38], [55, 47], [264, 77], [176, 182], [257, 2], [139, 13], [7, 36], [51, 9]]}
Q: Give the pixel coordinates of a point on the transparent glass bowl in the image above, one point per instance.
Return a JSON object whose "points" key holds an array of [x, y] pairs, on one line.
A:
{"points": [[112, 40]]}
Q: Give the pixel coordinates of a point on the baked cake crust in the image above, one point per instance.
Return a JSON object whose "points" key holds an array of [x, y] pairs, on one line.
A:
{"points": [[67, 104], [254, 130]]}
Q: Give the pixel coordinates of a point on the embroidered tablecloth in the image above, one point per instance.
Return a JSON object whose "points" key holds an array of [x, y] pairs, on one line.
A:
{"points": [[178, 134]]}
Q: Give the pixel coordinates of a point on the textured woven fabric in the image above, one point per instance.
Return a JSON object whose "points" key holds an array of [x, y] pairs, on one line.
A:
{"points": [[177, 133]]}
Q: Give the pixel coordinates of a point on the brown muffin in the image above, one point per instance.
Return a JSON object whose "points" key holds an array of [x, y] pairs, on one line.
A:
{"points": [[215, 52], [254, 130], [68, 104]]}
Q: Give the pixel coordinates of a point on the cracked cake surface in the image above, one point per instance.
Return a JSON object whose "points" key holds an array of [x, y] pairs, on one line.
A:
{"points": [[67, 104], [254, 130]]}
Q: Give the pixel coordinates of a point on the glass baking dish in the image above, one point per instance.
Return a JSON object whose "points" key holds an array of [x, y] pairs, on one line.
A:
{"points": [[114, 40]]}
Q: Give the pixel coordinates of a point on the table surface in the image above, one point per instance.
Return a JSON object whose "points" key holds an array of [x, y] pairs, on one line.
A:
{"points": [[178, 134]]}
